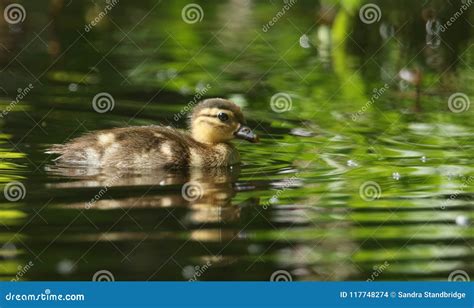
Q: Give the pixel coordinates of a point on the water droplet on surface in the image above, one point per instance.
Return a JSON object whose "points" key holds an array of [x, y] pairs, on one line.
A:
{"points": [[10, 250], [462, 220], [188, 271], [304, 41], [351, 163], [254, 249], [73, 87], [301, 132], [184, 90], [396, 176], [65, 267], [386, 30], [423, 159], [238, 99], [200, 86]]}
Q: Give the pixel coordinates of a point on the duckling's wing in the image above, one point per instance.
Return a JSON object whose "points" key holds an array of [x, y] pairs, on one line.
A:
{"points": [[129, 147]]}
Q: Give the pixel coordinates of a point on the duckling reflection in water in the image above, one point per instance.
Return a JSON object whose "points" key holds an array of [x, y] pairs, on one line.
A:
{"points": [[214, 123], [206, 192]]}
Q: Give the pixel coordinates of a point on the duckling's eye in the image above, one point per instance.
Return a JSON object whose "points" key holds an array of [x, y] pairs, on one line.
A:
{"points": [[223, 116]]}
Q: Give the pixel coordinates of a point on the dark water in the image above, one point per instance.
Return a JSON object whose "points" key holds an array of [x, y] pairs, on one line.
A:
{"points": [[360, 174]]}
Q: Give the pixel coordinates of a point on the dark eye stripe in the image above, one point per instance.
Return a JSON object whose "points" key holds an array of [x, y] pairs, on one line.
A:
{"points": [[212, 116], [208, 115]]}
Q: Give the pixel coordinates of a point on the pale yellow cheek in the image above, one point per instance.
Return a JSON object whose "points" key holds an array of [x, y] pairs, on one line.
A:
{"points": [[213, 132], [106, 139]]}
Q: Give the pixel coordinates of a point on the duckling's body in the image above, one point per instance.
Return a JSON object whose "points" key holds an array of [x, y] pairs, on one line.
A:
{"points": [[154, 146]]}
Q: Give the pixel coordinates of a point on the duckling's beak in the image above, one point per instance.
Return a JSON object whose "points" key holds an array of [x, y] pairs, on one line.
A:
{"points": [[245, 133]]}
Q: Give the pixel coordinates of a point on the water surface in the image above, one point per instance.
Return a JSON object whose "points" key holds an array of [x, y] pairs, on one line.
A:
{"points": [[360, 174]]}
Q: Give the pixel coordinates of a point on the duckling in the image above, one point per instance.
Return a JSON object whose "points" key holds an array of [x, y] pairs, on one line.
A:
{"points": [[213, 124]]}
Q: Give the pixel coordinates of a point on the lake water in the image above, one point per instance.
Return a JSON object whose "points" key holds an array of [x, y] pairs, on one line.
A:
{"points": [[364, 169]]}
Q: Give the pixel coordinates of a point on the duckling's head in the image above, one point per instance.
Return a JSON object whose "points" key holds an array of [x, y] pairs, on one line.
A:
{"points": [[217, 120]]}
